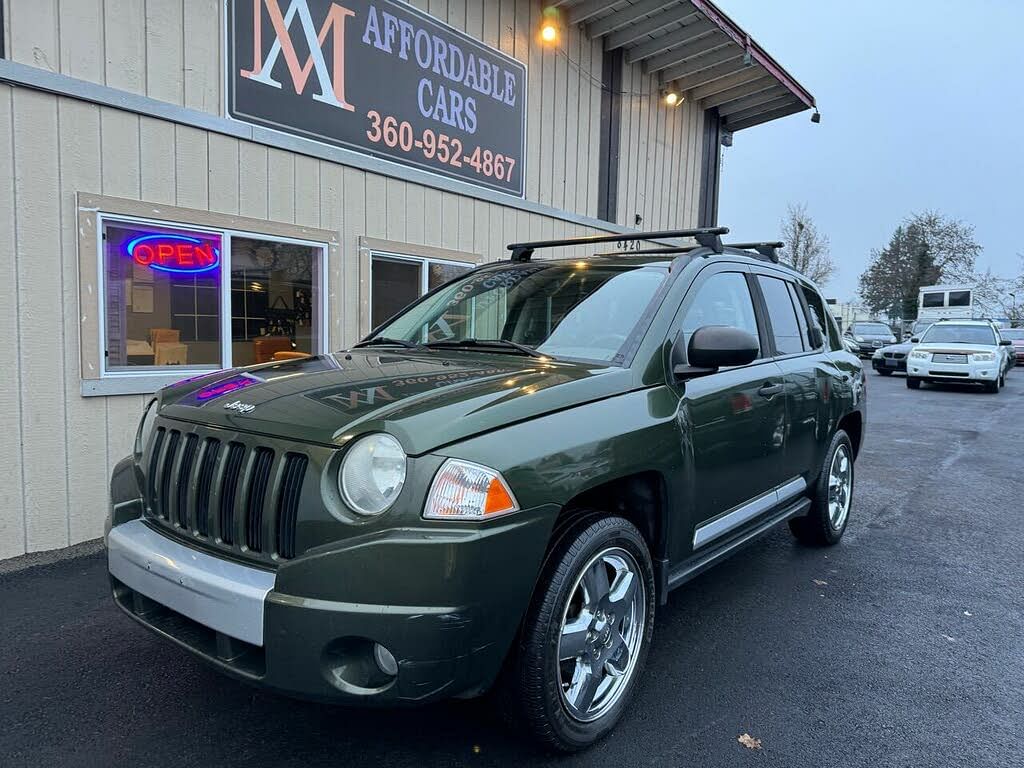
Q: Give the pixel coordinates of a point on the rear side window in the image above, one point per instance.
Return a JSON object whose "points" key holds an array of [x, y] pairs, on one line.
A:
{"points": [[724, 299], [819, 319], [933, 300], [783, 315]]}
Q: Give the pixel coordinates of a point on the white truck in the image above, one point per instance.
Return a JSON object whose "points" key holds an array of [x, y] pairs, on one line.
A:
{"points": [[938, 301]]}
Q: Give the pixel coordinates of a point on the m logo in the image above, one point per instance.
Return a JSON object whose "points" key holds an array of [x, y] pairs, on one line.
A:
{"points": [[331, 81]]}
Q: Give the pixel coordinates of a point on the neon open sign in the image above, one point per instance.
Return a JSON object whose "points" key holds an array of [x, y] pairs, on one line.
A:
{"points": [[174, 253]]}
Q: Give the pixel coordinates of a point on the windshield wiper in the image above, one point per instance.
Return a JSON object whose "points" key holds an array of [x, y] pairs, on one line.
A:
{"points": [[381, 341], [509, 345]]}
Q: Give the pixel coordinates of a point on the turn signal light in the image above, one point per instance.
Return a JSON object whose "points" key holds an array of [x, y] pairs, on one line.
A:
{"points": [[463, 490]]}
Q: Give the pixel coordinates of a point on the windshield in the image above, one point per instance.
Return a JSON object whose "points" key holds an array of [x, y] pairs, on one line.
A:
{"points": [[920, 327], [874, 329], [574, 310], [959, 334], [1012, 334]]}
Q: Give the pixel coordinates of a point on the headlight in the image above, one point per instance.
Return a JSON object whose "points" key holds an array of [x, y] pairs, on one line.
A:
{"points": [[921, 355], [877, 355], [983, 357], [145, 429], [465, 491], [892, 339], [372, 474]]}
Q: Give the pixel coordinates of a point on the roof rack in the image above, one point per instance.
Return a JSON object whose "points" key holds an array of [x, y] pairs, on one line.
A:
{"points": [[709, 237], [767, 251]]}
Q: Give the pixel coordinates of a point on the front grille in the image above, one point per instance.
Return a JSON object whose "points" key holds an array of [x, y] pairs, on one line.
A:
{"points": [[226, 491], [941, 357], [894, 355]]}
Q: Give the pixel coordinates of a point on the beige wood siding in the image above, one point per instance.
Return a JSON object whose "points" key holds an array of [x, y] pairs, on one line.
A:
{"points": [[172, 50]]}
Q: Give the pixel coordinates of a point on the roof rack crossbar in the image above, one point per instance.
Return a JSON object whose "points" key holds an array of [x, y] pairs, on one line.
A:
{"points": [[523, 251], [769, 250]]}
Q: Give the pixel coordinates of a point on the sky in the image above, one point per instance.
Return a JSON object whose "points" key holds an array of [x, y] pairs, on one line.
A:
{"points": [[922, 107]]}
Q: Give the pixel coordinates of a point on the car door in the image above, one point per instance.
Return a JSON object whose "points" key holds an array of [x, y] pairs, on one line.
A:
{"points": [[799, 341], [731, 422]]}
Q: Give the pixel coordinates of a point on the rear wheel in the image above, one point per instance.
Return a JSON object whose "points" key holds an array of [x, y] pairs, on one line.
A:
{"points": [[831, 498], [586, 635], [913, 383]]}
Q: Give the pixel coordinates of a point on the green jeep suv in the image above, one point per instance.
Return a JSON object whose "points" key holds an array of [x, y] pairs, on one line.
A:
{"points": [[497, 488]]}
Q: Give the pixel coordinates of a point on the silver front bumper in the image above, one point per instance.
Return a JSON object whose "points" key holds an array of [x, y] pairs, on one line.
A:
{"points": [[222, 595]]}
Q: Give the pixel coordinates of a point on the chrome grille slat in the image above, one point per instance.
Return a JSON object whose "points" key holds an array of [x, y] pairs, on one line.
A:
{"points": [[152, 477]]}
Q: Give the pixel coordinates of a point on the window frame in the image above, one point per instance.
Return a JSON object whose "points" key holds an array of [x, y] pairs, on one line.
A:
{"points": [[763, 307], [226, 235], [400, 251]]}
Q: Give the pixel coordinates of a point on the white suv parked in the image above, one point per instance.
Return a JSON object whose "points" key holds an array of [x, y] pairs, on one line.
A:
{"points": [[970, 351]]}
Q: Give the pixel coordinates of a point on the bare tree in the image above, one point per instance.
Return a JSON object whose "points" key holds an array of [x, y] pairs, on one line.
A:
{"points": [[950, 241], [807, 248], [1001, 295]]}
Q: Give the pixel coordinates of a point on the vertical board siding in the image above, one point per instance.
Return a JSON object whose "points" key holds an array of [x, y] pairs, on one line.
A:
{"points": [[12, 501], [61, 446], [40, 305], [173, 50]]}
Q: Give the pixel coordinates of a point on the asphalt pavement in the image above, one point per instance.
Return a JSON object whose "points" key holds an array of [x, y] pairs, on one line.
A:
{"points": [[902, 646]]}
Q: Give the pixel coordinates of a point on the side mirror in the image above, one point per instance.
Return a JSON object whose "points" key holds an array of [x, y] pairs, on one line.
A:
{"points": [[1005, 343], [914, 340], [712, 347]]}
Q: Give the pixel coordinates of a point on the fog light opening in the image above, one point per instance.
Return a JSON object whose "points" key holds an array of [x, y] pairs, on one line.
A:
{"points": [[359, 666]]}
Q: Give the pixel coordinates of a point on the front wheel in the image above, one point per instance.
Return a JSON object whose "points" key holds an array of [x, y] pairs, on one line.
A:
{"points": [[992, 387], [913, 383], [586, 634]]}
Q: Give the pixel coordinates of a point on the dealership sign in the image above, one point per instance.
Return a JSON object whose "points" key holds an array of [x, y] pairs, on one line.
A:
{"points": [[380, 78]]}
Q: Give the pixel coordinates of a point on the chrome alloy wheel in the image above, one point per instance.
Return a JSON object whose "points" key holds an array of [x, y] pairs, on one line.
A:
{"points": [[602, 633], [840, 486]]}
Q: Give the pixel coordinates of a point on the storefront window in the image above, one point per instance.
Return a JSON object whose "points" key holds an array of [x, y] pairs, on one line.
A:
{"points": [[173, 295], [162, 297], [397, 281]]}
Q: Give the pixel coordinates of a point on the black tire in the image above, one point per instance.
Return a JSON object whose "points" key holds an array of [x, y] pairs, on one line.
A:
{"points": [[820, 526], [884, 372], [533, 690], [913, 383], [992, 387]]}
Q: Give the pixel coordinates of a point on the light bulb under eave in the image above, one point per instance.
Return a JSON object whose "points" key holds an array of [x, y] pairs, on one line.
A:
{"points": [[673, 99], [549, 33]]}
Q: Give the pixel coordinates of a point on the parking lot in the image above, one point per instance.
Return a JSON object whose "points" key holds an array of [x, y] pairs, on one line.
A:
{"points": [[903, 646]]}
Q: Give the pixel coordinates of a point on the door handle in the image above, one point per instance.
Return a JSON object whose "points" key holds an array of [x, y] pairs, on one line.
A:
{"points": [[769, 390]]}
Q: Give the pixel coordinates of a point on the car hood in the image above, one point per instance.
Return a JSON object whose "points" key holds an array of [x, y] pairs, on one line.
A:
{"points": [[905, 348], [425, 399], [886, 337], [955, 349]]}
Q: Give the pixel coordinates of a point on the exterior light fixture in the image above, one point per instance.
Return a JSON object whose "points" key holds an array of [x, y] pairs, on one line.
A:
{"points": [[672, 97], [550, 26], [816, 117]]}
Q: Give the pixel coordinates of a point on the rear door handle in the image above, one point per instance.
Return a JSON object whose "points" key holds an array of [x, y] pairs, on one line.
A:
{"points": [[769, 390]]}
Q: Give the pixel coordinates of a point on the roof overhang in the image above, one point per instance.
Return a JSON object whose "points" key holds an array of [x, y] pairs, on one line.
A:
{"points": [[698, 51]]}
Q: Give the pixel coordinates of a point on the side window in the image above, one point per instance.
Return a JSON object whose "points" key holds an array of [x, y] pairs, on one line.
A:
{"points": [[724, 299], [819, 319], [783, 315]]}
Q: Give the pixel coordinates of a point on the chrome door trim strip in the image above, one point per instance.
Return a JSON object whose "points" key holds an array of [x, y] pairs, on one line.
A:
{"points": [[747, 511]]}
